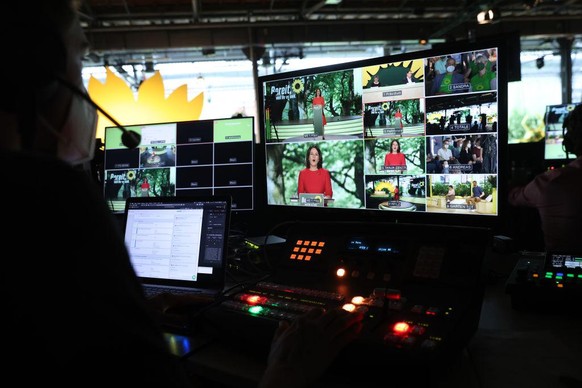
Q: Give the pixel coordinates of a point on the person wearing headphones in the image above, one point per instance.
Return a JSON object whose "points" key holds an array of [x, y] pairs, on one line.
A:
{"points": [[557, 193], [73, 305]]}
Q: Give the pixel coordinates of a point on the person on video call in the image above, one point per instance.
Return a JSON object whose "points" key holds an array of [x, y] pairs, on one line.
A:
{"points": [[314, 178], [145, 187], [481, 76], [444, 83], [477, 195], [83, 311], [376, 81], [395, 158], [318, 100], [557, 193], [450, 194], [410, 78], [398, 118]]}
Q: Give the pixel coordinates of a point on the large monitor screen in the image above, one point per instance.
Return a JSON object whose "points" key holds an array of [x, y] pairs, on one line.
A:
{"points": [[199, 157], [554, 120], [415, 135]]}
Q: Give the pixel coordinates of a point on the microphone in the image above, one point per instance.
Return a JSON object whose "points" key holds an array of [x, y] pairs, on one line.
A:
{"points": [[130, 139]]}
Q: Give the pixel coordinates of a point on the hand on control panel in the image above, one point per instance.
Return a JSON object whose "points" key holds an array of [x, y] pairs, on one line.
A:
{"points": [[302, 350]]}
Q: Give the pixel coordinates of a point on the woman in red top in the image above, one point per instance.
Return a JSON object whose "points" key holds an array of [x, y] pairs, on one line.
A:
{"points": [[314, 178], [395, 160], [398, 115], [145, 188], [318, 100]]}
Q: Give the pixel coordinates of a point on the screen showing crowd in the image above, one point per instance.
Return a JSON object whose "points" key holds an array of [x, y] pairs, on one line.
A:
{"points": [[412, 135]]}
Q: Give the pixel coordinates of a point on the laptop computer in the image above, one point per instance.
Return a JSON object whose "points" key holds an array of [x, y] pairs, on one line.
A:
{"points": [[178, 245]]}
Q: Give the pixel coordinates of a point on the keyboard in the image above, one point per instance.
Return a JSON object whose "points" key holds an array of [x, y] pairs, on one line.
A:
{"points": [[152, 291]]}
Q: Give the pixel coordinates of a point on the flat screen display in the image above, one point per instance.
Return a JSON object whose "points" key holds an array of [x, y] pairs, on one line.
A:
{"points": [[198, 157], [411, 135], [554, 120]]}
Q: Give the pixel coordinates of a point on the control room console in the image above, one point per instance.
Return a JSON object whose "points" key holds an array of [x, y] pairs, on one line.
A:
{"points": [[420, 287]]}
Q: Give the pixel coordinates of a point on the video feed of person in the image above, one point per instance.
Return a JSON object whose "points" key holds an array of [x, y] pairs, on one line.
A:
{"points": [[393, 136], [290, 105]]}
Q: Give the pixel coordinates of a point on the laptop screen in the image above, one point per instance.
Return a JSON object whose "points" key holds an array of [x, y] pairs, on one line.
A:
{"points": [[178, 241]]}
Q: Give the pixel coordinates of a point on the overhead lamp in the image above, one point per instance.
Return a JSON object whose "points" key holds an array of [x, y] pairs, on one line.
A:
{"points": [[423, 41], [489, 16], [332, 2]]}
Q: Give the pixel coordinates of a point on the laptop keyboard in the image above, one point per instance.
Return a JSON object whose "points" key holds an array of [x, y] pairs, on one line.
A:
{"points": [[150, 292]]}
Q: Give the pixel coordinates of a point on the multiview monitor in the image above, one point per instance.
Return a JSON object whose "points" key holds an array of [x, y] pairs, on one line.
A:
{"points": [[184, 158], [407, 136]]}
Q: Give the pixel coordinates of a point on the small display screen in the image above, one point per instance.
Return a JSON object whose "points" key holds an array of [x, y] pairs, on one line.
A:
{"points": [[560, 261]]}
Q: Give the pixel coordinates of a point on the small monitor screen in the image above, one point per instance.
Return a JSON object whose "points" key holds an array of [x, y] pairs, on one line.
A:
{"points": [[554, 120], [198, 157]]}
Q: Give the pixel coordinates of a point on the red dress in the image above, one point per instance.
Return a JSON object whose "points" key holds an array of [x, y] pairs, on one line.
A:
{"points": [[396, 159], [316, 182], [320, 101], [398, 115]]}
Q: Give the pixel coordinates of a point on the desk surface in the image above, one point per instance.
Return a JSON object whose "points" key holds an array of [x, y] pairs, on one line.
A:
{"points": [[510, 349]]}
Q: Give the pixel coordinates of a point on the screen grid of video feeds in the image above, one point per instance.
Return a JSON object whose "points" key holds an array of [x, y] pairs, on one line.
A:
{"points": [[186, 158], [412, 135]]}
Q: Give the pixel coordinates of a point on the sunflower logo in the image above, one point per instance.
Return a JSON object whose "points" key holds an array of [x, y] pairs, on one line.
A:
{"points": [[385, 106], [131, 175], [297, 86], [384, 186]]}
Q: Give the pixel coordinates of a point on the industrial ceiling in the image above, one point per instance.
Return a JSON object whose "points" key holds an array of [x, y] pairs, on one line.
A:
{"points": [[130, 31]]}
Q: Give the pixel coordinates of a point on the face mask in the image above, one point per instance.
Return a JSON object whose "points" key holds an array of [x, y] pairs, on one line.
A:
{"points": [[77, 136], [480, 66], [446, 146], [450, 69]]}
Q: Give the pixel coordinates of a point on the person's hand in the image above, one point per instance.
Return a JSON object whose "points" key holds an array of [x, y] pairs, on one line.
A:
{"points": [[302, 350], [166, 303], [173, 310]]}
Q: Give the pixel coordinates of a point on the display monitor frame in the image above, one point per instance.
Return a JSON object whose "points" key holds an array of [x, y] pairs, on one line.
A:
{"points": [[182, 158], [286, 131], [554, 137]]}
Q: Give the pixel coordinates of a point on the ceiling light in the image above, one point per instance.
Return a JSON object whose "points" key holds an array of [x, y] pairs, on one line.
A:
{"points": [[332, 2], [488, 16], [423, 41]]}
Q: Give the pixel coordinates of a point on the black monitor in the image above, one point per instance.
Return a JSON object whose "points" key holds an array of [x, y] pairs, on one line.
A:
{"points": [[183, 158], [554, 120], [368, 106]]}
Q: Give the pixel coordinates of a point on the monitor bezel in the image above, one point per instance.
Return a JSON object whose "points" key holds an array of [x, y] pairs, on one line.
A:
{"points": [[283, 213], [236, 212]]}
